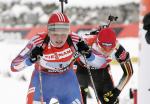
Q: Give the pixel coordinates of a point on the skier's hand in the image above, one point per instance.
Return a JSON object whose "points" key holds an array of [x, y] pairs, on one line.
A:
{"points": [[121, 55], [83, 48], [111, 96], [36, 53]]}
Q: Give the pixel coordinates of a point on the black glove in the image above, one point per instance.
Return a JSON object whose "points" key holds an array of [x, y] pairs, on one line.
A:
{"points": [[36, 53], [121, 55], [83, 48], [111, 96], [147, 37]]}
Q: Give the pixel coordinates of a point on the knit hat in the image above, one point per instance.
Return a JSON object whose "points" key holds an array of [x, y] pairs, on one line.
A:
{"points": [[106, 38], [58, 21]]}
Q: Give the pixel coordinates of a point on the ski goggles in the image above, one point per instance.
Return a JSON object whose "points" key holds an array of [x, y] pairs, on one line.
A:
{"points": [[106, 47], [59, 28]]}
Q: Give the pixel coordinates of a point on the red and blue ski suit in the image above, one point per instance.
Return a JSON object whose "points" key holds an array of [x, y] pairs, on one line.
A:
{"points": [[57, 81]]}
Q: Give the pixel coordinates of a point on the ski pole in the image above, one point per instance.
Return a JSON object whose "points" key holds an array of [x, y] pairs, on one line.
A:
{"points": [[41, 87], [92, 82], [76, 55], [45, 42]]}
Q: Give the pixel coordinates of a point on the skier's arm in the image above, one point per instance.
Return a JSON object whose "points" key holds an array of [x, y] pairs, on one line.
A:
{"points": [[23, 58], [123, 58], [92, 59]]}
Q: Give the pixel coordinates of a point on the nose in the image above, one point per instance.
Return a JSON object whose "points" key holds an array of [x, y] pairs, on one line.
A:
{"points": [[58, 37], [107, 49]]}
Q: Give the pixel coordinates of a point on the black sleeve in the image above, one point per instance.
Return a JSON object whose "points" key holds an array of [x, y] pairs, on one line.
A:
{"points": [[123, 57], [121, 54]]}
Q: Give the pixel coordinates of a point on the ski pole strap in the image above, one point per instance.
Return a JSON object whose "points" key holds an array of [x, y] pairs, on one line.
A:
{"points": [[91, 79]]}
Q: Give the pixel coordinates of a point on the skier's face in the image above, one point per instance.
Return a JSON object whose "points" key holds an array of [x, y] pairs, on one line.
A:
{"points": [[58, 38], [106, 50]]}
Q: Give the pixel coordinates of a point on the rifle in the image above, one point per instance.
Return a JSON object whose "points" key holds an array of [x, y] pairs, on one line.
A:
{"points": [[110, 18], [62, 4]]}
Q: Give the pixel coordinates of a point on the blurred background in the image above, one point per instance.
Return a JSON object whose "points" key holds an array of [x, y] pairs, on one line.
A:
{"points": [[21, 19], [28, 13]]}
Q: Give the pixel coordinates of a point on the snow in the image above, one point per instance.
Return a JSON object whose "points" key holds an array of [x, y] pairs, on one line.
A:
{"points": [[15, 89], [131, 45], [12, 91]]}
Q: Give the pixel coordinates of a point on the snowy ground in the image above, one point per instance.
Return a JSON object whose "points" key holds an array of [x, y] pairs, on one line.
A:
{"points": [[13, 89]]}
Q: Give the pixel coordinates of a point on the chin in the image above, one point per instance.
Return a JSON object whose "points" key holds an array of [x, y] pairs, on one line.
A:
{"points": [[59, 46], [106, 53]]}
